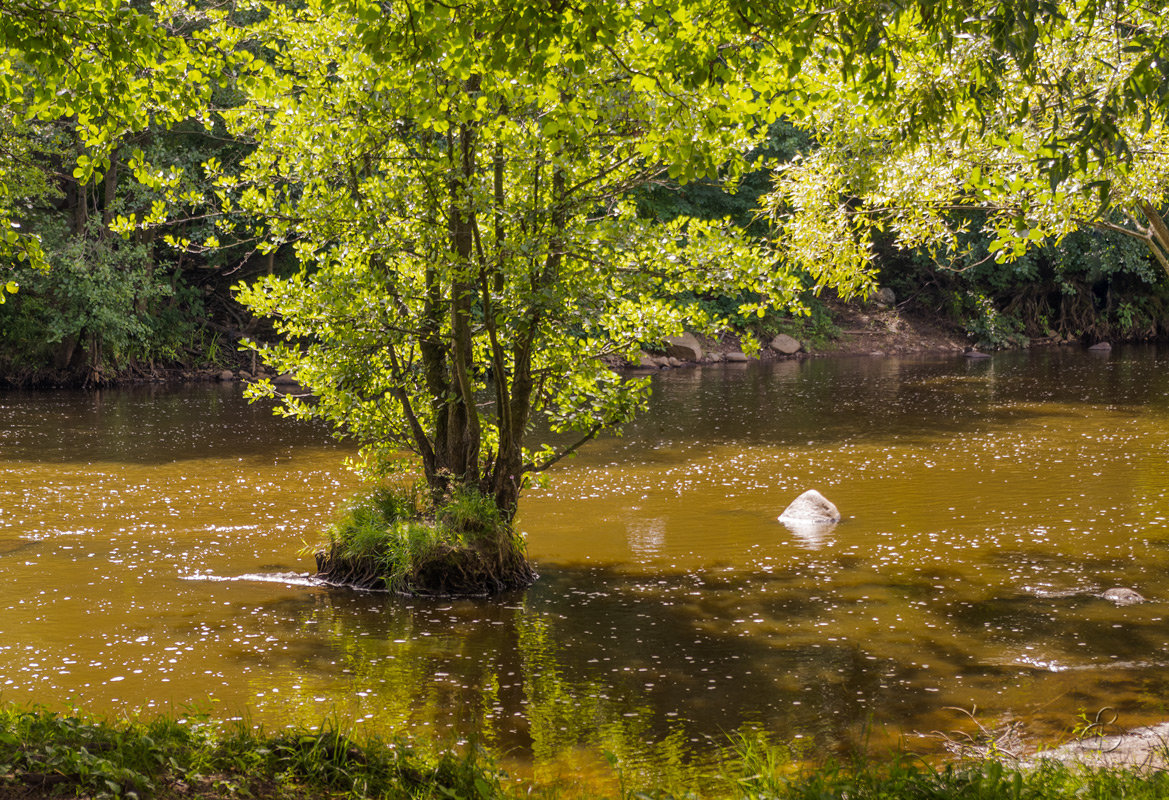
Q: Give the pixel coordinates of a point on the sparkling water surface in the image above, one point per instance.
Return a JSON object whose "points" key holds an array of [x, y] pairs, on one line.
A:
{"points": [[150, 541]]}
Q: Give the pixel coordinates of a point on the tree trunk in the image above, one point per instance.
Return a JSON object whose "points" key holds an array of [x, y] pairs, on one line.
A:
{"points": [[77, 195], [109, 193], [463, 418], [509, 466], [434, 368]]}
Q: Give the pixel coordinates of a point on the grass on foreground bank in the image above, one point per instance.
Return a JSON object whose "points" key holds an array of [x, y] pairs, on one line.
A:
{"points": [[46, 754]]}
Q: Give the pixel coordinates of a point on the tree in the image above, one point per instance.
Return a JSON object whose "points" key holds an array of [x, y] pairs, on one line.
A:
{"points": [[457, 191], [456, 181], [1072, 134]]}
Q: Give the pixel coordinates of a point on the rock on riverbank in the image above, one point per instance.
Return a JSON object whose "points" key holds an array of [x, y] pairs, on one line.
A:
{"points": [[1146, 747]]}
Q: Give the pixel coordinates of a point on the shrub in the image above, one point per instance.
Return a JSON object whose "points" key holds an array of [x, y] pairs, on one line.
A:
{"points": [[101, 305]]}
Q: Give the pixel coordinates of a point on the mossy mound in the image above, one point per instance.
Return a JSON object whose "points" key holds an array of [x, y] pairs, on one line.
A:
{"points": [[388, 541]]}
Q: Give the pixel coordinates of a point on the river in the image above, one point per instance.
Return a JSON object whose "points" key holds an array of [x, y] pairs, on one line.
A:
{"points": [[986, 504]]}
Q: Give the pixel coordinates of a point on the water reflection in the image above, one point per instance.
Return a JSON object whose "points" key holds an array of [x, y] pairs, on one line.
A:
{"points": [[151, 543], [149, 424], [812, 534]]}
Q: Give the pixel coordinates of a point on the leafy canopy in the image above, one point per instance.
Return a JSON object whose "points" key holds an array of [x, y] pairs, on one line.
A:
{"points": [[1070, 132], [456, 183], [109, 67]]}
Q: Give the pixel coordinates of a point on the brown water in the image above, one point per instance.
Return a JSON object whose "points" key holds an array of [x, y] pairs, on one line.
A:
{"points": [[985, 505]]}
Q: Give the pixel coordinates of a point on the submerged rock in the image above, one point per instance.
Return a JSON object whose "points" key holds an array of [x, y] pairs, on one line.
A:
{"points": [[811, 506], [1123, 596], [810, 535]]}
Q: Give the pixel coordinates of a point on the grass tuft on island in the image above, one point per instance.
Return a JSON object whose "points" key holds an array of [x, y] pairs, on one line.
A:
{"points": [[394, 539], [49, 754]]}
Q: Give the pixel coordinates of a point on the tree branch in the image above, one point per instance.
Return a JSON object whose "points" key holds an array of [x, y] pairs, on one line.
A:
{"points": [[425, 447], [1158, 234], [592, 432]]}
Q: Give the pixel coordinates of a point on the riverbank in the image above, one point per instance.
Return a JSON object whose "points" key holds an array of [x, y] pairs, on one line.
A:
{"points": [[863, 328], [878, 330], [1145, 748], [854, 328], [44, 754]]}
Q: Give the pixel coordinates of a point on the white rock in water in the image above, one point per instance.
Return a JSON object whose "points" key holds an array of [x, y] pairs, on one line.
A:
{"points": [[810, 518], [1123, 596], [811, 506]]}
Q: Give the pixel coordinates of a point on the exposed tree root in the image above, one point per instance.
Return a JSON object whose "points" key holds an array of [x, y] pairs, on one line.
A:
{"points": [[442, 571]]}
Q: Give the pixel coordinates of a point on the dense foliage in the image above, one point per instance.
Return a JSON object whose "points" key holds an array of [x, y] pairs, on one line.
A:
{"points": [[1032, 112], [1008, 149], [89, 93], [106, 66], [463, 212]]}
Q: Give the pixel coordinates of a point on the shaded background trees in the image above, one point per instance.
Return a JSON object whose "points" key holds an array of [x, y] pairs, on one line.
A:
{"points": [[1047, 116]]}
